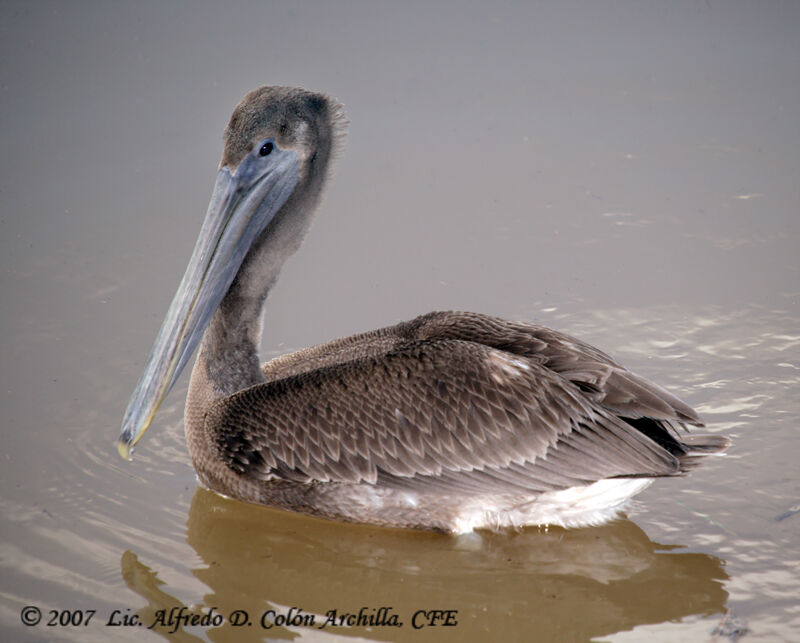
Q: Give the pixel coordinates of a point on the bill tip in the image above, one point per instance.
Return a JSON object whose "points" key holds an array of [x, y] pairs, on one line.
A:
{"points": [[125, 449]]}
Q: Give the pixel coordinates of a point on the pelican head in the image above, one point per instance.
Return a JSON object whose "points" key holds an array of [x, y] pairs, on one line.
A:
{"points": [[277, 148]]}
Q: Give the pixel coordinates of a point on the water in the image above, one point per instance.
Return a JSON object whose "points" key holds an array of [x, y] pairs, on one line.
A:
{"points": [[624, 173]]}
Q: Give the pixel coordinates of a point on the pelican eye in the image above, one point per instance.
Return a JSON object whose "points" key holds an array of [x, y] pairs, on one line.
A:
{"points": [[266, 148]]}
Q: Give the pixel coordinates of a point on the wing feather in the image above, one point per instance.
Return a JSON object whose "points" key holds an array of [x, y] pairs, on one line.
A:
{"points": [[436, 414]]}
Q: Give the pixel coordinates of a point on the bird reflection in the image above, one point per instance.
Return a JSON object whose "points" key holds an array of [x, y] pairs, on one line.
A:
{"points": [[561, 584]]}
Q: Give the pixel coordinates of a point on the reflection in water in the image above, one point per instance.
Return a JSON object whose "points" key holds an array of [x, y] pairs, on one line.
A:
{"points": [[614, 577], [142, 580]]}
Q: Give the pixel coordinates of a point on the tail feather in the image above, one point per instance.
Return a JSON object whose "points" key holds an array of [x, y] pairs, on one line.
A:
{"points": [[699, 447], [705, 444]]}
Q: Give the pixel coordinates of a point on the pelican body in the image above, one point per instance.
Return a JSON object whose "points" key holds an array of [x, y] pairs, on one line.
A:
{"points": [[450, 422]]}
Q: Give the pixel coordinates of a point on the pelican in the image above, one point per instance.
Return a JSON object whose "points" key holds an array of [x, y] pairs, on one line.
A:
{"points": [[449, 422]]}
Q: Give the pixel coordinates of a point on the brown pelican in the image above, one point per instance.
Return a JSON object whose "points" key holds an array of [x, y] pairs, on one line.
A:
{"points": [[451, 421]]}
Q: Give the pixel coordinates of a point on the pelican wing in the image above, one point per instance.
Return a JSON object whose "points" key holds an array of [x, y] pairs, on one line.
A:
{"points": [[598, 376], [435, 414]]}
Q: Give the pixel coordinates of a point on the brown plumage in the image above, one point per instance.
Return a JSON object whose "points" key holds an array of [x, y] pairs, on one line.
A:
{"points": [[450, 421]]}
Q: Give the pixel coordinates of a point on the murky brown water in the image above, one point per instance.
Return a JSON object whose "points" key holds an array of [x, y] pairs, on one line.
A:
{"points": [[626, 174]]}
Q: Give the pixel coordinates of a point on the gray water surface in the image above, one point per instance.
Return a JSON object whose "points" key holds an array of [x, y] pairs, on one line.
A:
{"points": [[625, 173]]}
